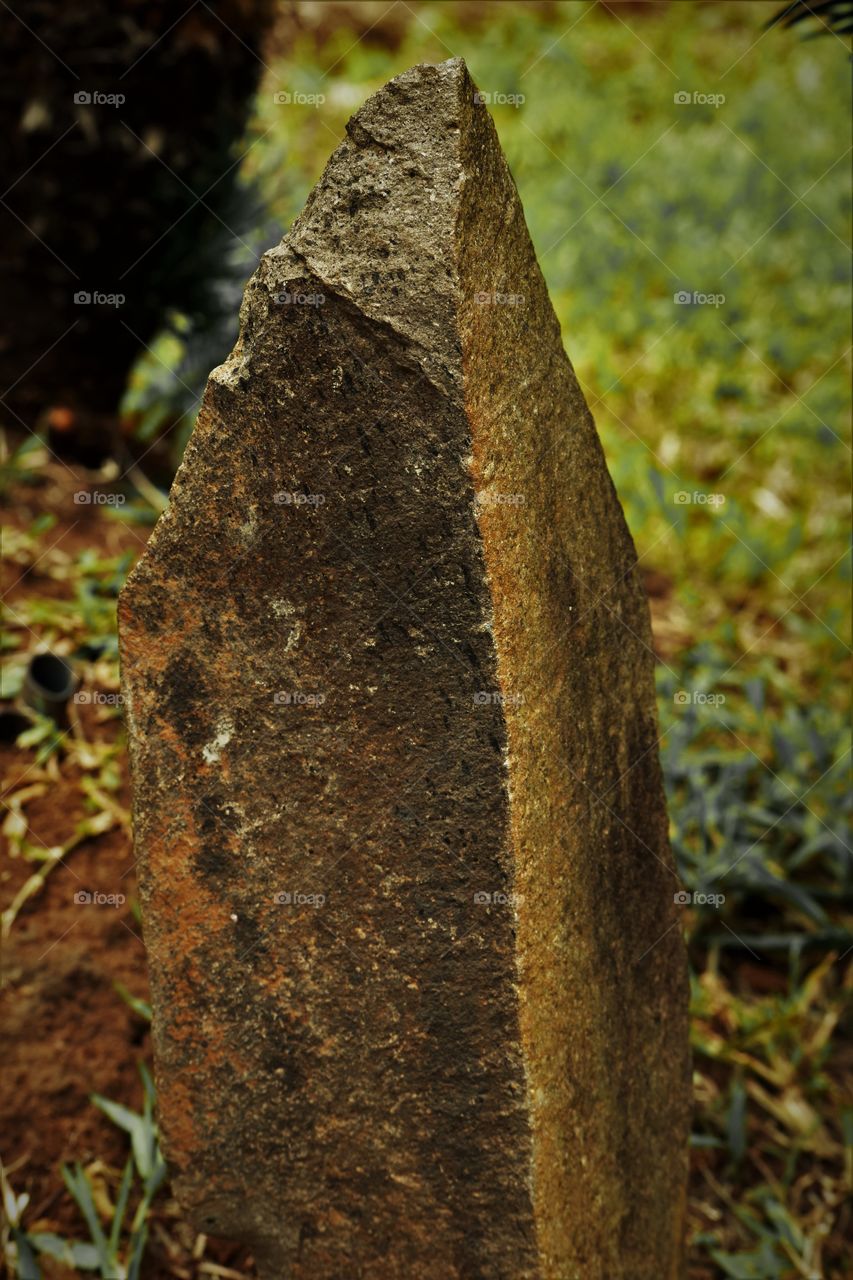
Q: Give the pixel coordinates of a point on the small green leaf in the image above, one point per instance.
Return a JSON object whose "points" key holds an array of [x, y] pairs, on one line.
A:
{"points": [[140, 1007], [737, 1121], [72, 1253], [141, 1134], [28, 1268], [78, 1184], [762, 1264], [121, 1207]]}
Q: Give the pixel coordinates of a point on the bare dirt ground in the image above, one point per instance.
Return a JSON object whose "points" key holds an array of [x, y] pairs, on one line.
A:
{"points": [[67, 1032]]}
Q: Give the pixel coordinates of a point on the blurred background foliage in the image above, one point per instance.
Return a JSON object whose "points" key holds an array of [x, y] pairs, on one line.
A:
{"points": [[659, 149]]}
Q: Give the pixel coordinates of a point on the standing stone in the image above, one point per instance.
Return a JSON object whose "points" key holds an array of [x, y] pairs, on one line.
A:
{"points": [[418, 977]]}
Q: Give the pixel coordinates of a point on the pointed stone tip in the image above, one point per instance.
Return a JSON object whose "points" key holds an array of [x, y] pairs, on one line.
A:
{"points": [[454, 68], [432, 79], [380, 227]]}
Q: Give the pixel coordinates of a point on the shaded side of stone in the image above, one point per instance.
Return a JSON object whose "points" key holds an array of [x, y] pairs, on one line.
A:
{"points": [[603, 976]]}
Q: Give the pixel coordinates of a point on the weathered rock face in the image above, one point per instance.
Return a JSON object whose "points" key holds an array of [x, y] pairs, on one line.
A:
{"points": [[419, 985]]}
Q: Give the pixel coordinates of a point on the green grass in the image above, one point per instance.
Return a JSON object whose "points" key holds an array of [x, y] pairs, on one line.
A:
{"points": [[115, 1253]]}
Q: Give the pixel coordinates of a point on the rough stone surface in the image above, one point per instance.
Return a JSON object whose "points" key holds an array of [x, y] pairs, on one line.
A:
{"points": [[388, 648]]}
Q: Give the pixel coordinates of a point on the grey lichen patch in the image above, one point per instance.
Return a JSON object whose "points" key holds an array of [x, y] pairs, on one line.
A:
{"points": [[212, 751], [233, 373]]}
